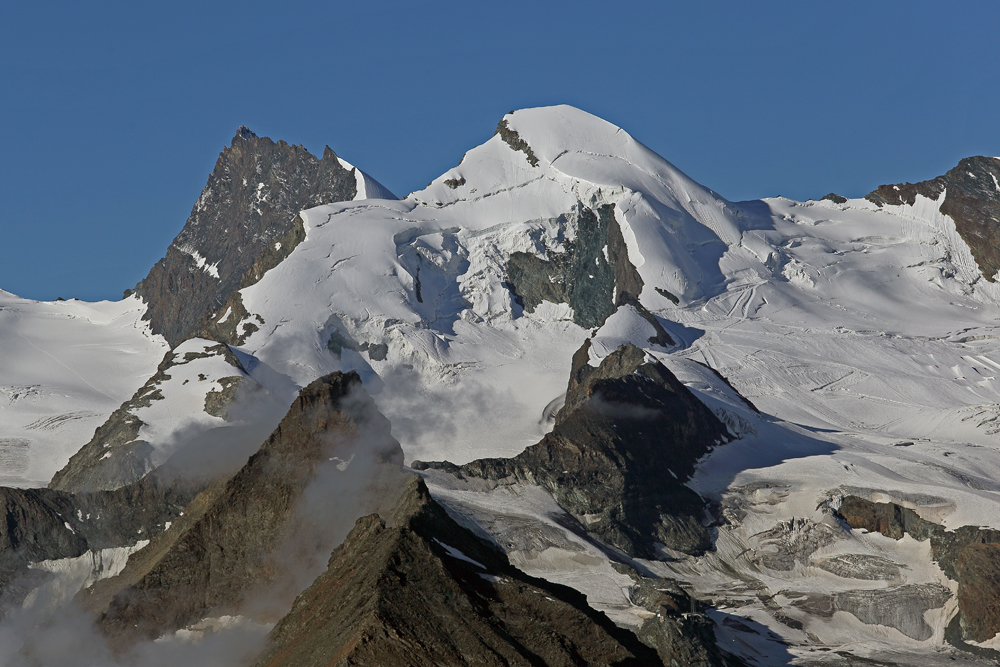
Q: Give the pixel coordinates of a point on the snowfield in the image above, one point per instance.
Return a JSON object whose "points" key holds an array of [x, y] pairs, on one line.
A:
{"points": [[64, 367]]}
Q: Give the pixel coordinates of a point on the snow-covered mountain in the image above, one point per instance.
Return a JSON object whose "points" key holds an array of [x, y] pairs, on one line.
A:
{"points": [[68, 365], [848, 348]]}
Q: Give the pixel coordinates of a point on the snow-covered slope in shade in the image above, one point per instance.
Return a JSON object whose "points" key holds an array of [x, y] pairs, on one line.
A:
{"points": [[64, 367], [368, 187]]}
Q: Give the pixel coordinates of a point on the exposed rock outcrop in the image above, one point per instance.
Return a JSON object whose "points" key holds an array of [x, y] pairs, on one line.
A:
{"points": [[678, 629], [514, 140], [623, 445], [243, 221], [978, 571], [890, 519], [969, 555], [972, 200], [413, 587], [593, 275], [45, 524]]}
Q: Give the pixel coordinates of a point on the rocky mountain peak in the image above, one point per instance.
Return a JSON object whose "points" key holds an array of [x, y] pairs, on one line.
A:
{"points": [[474, 607], [247, 210]]}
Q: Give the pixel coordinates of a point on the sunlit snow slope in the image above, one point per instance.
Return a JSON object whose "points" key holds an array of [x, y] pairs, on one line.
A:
{"points": [[64, 367]]}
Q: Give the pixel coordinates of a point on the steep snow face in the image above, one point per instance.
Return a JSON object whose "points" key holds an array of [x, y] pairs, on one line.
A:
{"points": [[378, 289], [674, 228], [367, 187], [387, 288], [66, 365]]}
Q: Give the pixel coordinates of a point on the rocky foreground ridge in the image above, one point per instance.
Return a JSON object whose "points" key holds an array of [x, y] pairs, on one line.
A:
{"points": [[411, 587], [407, 586]]}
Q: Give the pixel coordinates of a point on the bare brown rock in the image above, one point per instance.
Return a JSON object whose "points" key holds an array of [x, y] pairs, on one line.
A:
{"points": [[979, 590], [972, 200], [235, 534]]}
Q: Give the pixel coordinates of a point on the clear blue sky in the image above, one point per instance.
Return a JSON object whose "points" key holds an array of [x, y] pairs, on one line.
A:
{"points": [[113, 114]]}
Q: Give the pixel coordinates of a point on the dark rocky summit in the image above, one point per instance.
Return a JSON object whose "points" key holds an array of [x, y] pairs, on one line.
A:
{"points": [[972, 200], [244, 218], [234, 538], [624, 443], [412, 587], [968, 555]]}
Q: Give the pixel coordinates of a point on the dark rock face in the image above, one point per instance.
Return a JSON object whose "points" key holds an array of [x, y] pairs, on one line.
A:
{"points": [[514, 140], [835, 198], [34, 529], [44, 524], [890, 519], [594, 275], [245, 215], [115, 456], [231, 323], [412, 587], [978, 570], [968, 555], [231, 538], [679, 631], [623, 445], [972, 200]]}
